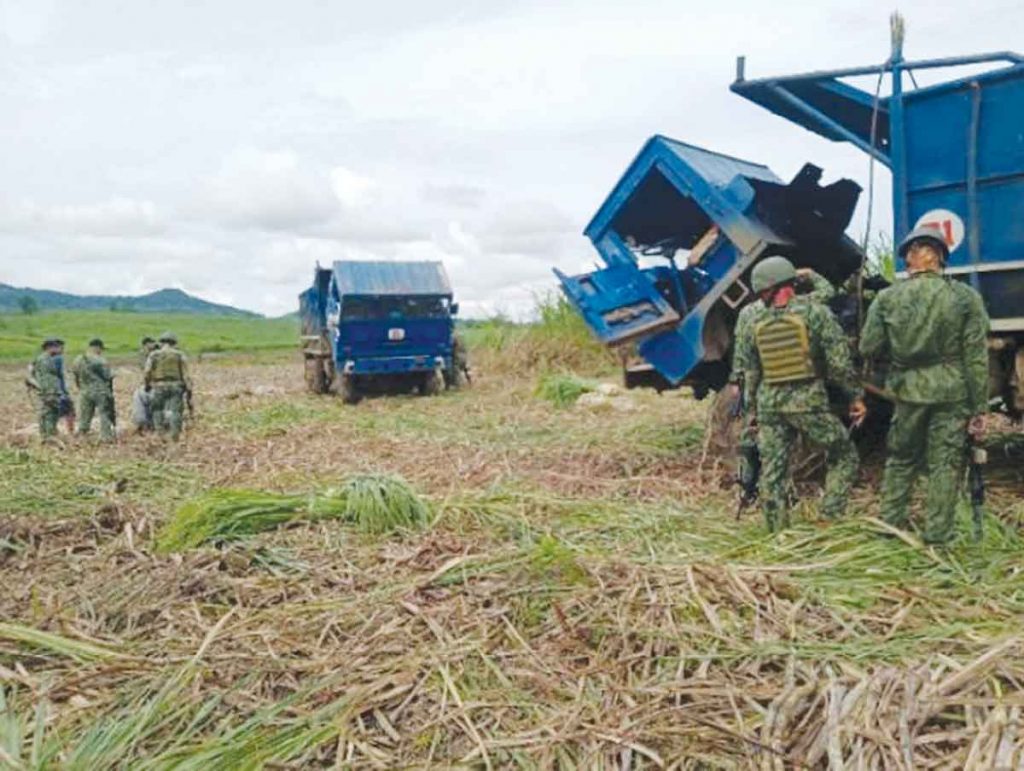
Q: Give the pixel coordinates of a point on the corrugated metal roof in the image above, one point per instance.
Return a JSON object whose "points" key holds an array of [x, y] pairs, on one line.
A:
{"points": [[391, 278], [716, 168]]}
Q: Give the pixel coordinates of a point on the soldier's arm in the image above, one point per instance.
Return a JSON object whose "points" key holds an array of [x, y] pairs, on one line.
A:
{"points": [[186, 378], [975, 353], [821, 288], [873, 342], [840, 371], [30, 377], [746, 363], [147, 371]]}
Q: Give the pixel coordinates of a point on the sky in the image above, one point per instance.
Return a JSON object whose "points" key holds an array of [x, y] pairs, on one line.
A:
{"points": [[225, 146]]}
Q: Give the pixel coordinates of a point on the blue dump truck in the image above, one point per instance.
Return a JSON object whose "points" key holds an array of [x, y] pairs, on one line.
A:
{"points": [[956, 153], [378, 327]]}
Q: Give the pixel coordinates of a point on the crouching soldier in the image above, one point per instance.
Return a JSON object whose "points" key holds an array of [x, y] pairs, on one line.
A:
{"points": [[787, 348], [95, 384], [142, 413], [167, 381]]}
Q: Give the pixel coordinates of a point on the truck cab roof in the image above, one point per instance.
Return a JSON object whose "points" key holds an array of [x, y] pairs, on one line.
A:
{"points": [[390, 279]]}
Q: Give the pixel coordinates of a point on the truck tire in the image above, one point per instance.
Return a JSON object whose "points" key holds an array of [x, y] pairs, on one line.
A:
{"points": [[316, 378], [347, 389], [433, 384]]}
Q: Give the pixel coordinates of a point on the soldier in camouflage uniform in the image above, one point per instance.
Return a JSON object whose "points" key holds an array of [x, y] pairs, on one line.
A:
{"points": [[787, 348], [46, 378], [933, 332], [95, 384], [814, 287], [166, 377], [142, 412]]}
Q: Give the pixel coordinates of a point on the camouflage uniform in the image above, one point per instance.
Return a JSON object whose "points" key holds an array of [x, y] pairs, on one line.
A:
{"points": [[166, 374], [96, 393], [142, 411], [46, 376], [460, 362], [786, 410], [821, 291], [933, 332]]}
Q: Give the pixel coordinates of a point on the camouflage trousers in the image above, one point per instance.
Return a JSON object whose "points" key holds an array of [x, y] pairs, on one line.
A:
{"points": [[777, 434], [167, 405], [49, 414], [930, 438], [99, 402]]}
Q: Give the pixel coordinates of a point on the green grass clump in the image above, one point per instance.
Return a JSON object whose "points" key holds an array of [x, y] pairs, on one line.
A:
{"points": [[374, 503], [562, 390], [380, 504], [557, 339]]}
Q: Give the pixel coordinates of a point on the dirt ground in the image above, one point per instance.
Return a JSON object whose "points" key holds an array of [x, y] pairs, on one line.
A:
{"points": [[584, 598]]}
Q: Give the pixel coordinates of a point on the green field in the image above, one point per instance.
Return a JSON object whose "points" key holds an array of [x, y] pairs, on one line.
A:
{"points": [[580, 594], [20, 335]]}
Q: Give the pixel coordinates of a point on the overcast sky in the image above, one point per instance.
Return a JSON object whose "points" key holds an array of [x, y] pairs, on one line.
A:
{"points": [[224, 147]]}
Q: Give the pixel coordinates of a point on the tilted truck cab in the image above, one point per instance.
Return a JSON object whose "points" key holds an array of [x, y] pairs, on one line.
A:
{"points": [[711, 217], [379, 326]]}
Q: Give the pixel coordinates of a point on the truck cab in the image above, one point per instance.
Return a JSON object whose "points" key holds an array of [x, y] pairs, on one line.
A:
{"points": [[379, 327]]}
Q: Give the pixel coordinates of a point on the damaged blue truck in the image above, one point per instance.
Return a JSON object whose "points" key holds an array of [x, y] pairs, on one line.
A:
{"points": [[380, 327], [956, 153]]}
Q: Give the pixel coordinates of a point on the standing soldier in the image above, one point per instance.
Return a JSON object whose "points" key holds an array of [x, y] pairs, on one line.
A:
{"points": [[814, 287], [933, 332], [166, 378], [787, 348], [146, 347], [95, 384], [46, 378]]}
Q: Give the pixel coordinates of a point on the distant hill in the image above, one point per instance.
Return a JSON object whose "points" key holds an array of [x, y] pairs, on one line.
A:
{"points": [[162, 301]]}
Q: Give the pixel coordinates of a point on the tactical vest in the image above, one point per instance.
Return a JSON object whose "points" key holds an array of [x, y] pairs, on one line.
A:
{"points": [[167, 367], [784, 347]]}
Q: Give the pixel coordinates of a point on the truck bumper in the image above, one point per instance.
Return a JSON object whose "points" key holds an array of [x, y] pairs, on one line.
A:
{"points": [[395, 365]]}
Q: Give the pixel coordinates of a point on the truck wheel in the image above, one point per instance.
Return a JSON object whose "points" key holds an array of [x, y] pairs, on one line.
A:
{"points": [[316, 378], [347, 389], [433, 384]]}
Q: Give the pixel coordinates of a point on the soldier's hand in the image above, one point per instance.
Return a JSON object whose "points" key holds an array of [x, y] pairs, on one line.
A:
{"points": [[858, 411], [976, 428]]}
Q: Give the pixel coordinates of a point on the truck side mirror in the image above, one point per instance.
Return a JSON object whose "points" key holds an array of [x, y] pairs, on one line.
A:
{"points": [[454, 309]]}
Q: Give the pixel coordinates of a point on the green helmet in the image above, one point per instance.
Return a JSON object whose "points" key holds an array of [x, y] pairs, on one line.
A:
{"points": [[770, 272], [929, 233], [95, 343], [169, 337]]}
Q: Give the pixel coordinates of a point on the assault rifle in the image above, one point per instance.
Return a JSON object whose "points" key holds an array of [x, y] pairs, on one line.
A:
{"points": [[749, 457], [977, 457]]}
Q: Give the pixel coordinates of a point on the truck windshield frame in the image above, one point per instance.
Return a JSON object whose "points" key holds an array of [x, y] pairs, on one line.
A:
{"points": [[382, 308]]}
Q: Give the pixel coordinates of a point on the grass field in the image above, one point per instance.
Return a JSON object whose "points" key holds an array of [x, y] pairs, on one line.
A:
{"points": [[20, 335], [582, 596]]}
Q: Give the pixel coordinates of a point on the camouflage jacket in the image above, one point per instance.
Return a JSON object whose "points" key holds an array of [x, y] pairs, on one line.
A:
{"points": [[92, 373], [167, 365], [46, 375], [821, 290], [829, 350], [933, 332]]}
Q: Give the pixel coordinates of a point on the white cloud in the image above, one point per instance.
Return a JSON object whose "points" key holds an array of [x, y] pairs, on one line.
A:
{"points": [[118, 217], [268, 190]]}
